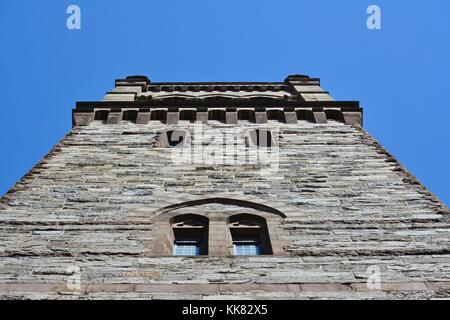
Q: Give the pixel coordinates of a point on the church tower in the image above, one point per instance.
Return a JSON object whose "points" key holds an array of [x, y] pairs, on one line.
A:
{"points": [[203, 190]]}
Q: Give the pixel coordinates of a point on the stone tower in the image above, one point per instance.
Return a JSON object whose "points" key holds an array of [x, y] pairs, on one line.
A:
{"points": [[211, 190]]}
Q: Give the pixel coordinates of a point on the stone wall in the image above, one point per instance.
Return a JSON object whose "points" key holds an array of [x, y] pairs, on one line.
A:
{"points": [[350, 208]]}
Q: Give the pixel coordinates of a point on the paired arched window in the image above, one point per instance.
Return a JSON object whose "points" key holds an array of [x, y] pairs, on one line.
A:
{"points": [[218, 227], [248, 235]]}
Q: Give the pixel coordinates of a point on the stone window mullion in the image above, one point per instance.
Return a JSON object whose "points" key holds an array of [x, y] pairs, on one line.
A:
{"points": [[218, 237]]}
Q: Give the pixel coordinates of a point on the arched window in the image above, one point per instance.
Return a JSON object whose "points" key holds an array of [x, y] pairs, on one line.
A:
{"points": [[190, 235], [249, 235], [172, 138], [261, 138]]}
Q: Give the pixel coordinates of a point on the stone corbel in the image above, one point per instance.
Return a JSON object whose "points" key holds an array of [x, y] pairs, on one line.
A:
{"points": [[202, 116], [173, 116], [143, 117], [231, 116], [290, 117], [319, 117], [82, 118], [114, 117], [353, 118], [260, 116]]}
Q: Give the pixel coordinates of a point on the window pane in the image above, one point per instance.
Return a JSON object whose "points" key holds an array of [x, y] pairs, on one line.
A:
{"points": [[246, 248], [186, 248]]}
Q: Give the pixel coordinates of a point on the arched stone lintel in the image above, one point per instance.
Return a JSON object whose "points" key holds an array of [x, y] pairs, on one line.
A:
{"points": [[226, 201]]}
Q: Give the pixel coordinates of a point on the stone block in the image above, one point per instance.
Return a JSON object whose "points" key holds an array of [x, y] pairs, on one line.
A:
{"points": [[319, 117], [324, 287], [114, 117], [260, 117], [353, 118], [231, 117], [82, 118], [172, 117], [290, 117], [202, 116], [143, 117]]}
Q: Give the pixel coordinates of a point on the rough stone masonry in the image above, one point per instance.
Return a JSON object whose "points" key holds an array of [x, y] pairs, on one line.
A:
{"points": [[86, 221]]}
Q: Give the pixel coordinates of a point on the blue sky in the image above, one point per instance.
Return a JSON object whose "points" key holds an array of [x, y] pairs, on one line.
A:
{"points": [[400, 73]]}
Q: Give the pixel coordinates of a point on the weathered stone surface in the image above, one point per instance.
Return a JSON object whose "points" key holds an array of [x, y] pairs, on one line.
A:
{"points": [[173, 117], [231, 117], [349, 208], [83, 118], [143, 118], [290, 117], [114, 118], [260, 117]]}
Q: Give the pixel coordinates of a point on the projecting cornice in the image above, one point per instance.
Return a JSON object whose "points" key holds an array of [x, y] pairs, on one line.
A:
{"points": [[138, 99]]}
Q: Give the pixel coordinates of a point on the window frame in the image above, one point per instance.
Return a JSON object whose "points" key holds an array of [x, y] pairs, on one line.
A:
{"points": [[190, 228], [248, 226]]}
